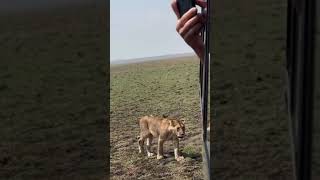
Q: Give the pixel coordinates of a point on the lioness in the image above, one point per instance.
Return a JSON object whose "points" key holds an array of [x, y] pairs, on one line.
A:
{"points": [[164, 129]]}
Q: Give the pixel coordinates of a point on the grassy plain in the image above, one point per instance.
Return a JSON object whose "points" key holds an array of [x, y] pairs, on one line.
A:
{"points": [[251, 129], [157, 88], [53, 84]]}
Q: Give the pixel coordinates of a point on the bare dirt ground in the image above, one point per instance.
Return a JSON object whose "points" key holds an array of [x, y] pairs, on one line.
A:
{"points": [[52, 71], [159, 87], [251, 129]]}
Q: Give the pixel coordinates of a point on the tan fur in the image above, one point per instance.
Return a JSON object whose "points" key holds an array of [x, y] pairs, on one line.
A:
{"points": [[163, 129]]}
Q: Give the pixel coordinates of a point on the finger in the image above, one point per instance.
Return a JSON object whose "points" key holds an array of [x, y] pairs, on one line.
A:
{"points": [[175, 8], [188, 15], [194, 20], [193, 31], [201, 3]]}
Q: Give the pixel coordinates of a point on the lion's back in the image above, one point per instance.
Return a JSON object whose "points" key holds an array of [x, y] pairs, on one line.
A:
{"points": [[151, 124]]}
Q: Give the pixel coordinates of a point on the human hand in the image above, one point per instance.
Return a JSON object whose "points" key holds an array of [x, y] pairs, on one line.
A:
{"points": [[190, 25]]}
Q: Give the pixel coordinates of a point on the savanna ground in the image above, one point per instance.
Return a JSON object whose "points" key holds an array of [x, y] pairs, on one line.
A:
{"points": [[154, 88], [251, 129], [53, 90]]}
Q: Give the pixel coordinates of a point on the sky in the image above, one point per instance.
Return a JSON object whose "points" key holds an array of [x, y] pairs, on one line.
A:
{"points": [[143, 28]]}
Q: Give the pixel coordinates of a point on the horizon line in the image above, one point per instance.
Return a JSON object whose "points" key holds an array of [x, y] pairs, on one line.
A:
{"points": [[157, 56]]}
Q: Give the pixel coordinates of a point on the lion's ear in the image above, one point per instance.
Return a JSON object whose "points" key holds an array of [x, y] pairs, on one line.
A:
{"points": [[171, 123]]}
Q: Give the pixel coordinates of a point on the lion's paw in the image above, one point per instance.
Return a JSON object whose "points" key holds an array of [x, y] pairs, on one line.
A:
{"points": [[150, 154], [179, 158], [160, 157]]}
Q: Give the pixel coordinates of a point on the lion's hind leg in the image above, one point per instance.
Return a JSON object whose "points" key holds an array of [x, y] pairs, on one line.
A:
{"points": [[141, 144], [143, 137], [149, 143]]}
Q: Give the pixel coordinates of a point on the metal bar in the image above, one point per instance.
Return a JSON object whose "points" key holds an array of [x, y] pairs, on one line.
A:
{"points": [[300, 47], [291, 78], [204, 74]]}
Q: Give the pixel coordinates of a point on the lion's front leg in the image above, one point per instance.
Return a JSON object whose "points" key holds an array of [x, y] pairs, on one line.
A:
{"points": [[160, 148], [176, 150]]}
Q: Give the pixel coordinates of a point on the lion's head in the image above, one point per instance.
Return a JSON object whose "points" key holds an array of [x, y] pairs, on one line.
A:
{"points": [[177, 127]]}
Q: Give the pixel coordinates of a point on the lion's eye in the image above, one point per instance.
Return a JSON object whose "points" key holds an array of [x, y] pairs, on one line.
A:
{"points": [[178, 128]]}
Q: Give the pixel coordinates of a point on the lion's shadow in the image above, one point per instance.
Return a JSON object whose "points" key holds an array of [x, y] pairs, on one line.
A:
{"points": [[169, 157]]}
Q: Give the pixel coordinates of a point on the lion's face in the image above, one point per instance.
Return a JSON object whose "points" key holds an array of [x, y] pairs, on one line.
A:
{"points": [[178, 128]]}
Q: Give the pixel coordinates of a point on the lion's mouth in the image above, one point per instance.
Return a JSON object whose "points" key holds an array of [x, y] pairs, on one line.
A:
{"points": [[180, 137]]}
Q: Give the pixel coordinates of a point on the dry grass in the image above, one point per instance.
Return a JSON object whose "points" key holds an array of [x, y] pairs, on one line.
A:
{"points": [[159, 87], [52, 84], [251, 137]]}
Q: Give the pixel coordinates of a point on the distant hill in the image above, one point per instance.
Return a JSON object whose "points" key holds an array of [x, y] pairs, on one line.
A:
{"points": [[154, 58]]}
